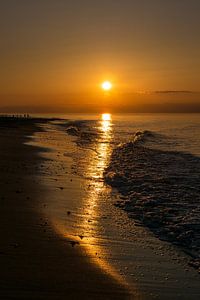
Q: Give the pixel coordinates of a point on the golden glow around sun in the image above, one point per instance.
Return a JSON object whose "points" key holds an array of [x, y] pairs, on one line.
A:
{"points": [[106, 117], [106, 85]]}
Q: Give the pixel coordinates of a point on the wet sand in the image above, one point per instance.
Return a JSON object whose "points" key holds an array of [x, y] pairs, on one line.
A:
{"points": [[36, 262]]}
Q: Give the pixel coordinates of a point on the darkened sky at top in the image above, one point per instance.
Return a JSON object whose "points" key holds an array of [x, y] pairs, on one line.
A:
{"points": [[58, 47]]}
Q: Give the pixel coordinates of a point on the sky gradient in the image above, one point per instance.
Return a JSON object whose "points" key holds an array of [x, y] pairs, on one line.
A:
{"points": [[54, 54]]}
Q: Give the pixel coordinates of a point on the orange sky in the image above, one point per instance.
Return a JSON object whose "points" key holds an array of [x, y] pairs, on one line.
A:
{"points": [[54, 55]]}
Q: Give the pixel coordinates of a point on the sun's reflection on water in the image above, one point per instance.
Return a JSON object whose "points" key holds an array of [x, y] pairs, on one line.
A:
{"points": [[106, 128], [98, 160], [97, 163]]}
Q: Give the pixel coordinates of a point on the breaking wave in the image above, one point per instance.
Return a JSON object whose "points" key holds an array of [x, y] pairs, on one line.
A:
{"points": [[84, 131], [161, 190]]}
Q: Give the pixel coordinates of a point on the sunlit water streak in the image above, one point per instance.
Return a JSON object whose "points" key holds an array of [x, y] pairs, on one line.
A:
{"points": [[97, 163]]}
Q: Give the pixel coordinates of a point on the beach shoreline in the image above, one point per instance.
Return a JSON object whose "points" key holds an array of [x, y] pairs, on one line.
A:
{"points": [[37, 263], [62, 235]]}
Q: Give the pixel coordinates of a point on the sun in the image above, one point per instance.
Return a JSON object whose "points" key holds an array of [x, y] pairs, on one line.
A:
{"points": [[106, 85], [106, 117]]}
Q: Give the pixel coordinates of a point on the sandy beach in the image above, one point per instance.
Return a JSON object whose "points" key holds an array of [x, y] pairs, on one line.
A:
{"points": [[37, 263]]}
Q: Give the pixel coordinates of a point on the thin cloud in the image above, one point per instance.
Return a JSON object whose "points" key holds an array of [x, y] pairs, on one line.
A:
{"points": [[175, 92]]}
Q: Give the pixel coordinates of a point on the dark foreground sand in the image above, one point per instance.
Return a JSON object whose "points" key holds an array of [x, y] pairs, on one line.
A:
{"points": [[35, 262]]}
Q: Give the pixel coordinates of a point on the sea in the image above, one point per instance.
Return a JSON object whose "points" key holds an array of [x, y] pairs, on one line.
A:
{"points": [[182, 131]]}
